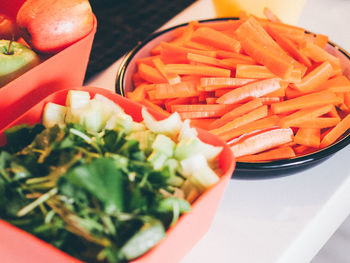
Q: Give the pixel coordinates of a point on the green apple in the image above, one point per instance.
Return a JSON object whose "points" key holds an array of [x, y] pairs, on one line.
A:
{"points": [[15, 59]]}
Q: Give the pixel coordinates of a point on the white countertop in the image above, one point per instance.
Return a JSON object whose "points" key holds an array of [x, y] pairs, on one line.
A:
{"points": [[286, 219]]}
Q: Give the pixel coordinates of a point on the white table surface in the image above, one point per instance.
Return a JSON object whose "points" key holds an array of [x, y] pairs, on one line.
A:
{"points": [[286, 219]]}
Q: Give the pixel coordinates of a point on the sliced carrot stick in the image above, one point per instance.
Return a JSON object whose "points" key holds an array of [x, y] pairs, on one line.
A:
{"points": [[272, 60], [202, 123], [261, 124], [137, 94], [137, 80], [262, 142], [282, 152], [320, 122], [253, 72], [336, 84], [150, 104], [216, 39], [196, 45], [261, 72], [321, 40], [220, 26], [270, 100], [211, 84], [223, 54], [236, 112], [336, 132], [147, 60], [320, 55], [181, 90], [199, 114], [308, 137], [257, 43], [187, 69], [208, 60], [271, 16], [175, 101], [249, 117], [171, 78], [150, 74], [347, 99], [304, 114], [308, 100], [200, 107], [289, 46], [315, 78], [251, 90]]}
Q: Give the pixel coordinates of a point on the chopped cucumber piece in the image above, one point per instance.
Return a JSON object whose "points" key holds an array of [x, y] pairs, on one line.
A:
{"points": [[187, 131], [77, 99], [150, 234], [196, 168], [164, 144], [169, 126], [191, 146], [157, 159], [53, 114]]}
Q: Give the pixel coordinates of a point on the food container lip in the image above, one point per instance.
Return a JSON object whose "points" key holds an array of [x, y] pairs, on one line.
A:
{"points": [[249, 168]]}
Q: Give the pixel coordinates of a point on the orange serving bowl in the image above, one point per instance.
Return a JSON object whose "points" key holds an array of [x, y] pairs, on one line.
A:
{"points": [[180, 238], [64, 69]]}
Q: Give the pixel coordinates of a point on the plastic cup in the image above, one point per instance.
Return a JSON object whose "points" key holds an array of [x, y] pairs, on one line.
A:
{"points": [[288, 11]]}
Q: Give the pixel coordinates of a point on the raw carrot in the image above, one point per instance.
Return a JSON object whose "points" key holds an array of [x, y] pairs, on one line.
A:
{"points": [[171, 78], [213, 83], [321, 40], [209, 61], [137, 94], [180, 90], [308, 100], [150, 74], [223, 54], [320, 122], [336, 84], [236, 112], [251, 90], [187, 69], [271, 16], [336, 132], [200, 107], [202, 123], [216, 39], [249, 117], [315, 78], [270, 100], [304, 114], [199, 114], [261, 124], [282, 152], [308, 137], [272, 60], [318, 54], [262, 142], [150, 104], [289, 46]]}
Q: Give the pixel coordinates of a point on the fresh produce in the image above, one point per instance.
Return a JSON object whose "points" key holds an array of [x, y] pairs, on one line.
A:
{"points": [[8, 28], [270, 90], [98, 185], [15, 59], [49, 26]]}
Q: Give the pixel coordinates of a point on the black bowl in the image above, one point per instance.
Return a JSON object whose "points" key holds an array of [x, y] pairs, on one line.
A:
{"points": [[244, 170]]}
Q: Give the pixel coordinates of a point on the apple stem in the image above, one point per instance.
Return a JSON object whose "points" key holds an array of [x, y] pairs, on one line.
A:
{"points": [[9, 48]]}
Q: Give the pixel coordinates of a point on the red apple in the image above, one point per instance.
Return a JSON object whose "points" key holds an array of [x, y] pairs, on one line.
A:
{"points": [[8, 28], [49, 26]]}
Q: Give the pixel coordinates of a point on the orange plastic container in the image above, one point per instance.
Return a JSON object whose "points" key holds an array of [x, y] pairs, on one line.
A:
{"points": [[64, 69], [179, 239]]}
